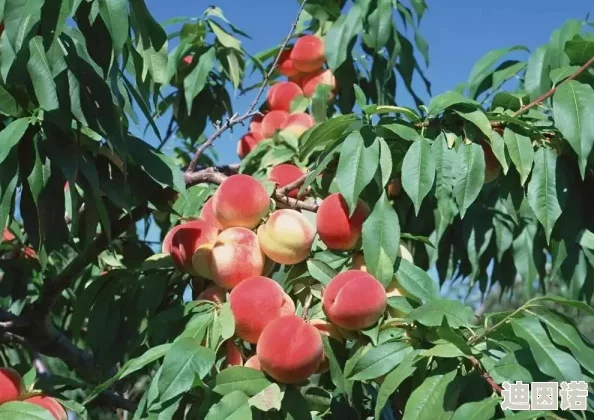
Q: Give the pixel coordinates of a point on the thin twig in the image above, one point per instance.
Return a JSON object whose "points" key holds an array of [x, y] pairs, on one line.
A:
{"points": [[550, 93], [306, 305], [295, 184], [485, 375], [235, 119]]}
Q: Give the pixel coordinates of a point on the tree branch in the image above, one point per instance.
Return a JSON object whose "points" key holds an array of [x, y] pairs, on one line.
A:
{"points": [[295, 184], [485, 375], [235, 119]]}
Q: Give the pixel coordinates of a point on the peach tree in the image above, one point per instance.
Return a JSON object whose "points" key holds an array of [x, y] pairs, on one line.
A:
{"points": [[141, 278]]}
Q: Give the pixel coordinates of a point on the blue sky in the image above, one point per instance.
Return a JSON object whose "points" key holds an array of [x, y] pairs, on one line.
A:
{"points": [[459, 32]]}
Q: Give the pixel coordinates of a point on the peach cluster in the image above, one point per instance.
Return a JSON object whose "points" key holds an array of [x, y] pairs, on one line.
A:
{"points": [[303, 65], [12, 389]]}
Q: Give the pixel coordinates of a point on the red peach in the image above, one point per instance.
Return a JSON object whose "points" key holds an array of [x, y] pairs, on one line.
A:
{"points": [[50, 404], [290, 350], [307, 54], [256, 123], [183, 240], [255, 302], [298, 123], [354, 300], [207, 214], [11, 385], [492, 165], [310, 82], [285, 64], [284, 174], [272, 122], [233, 355], [336, 229], [286, 237], [253, 363], [7, 235], [240, 201], [281, 94], [188, 59], [214, 294], [248, 142]]}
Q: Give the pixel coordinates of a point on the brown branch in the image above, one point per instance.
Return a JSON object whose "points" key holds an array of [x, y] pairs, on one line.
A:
{"points": [[485, 375], [550, 93], [295, 184], [235, 119]]}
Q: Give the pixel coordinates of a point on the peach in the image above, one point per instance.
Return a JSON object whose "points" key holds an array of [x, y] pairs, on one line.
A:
{"points": [[50, 405], [285, 64], [307, 54], [207, 214], [234, 257], [253, 363], [336, 229], [310, 82], [281, 94], [240, 201], [188, 59], [233, 355], [298, 123], [11, 385], [354, 300], [248, 142], [7, 235], [214, 294], [290, 350], [255, 302], [286, 237], [272, 122], [284, 174], [183, 240], [394, 188], [492, 165], [256, 123]]}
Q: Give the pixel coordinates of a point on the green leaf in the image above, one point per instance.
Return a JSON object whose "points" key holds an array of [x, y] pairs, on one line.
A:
{"points": [[562, 73], [546, 191], [379, 25], [158, 166], [572, 106], [445, 100], [498, 148], [434, 398], [386, 164], [570, 303], [223, 37], [357, 164], [418, 172], [11, 135], [550, 360], [185, 361], [536, 79], [579, 50], [270, 398], [381, 238], [380, 360], [41, 75], [482, 68], [196, 80], [226, 321], [520, 151], [320, 271], [478, 118], [239, 378], [470, 177], [8, 182], [233, 406], [115, 16], [476, 410], [514, 366], [322, 135], [8, 104], [416, 282], [509, 100], [432, 313], [22, 410], [392, 381], [340, 34], [360, 97]]}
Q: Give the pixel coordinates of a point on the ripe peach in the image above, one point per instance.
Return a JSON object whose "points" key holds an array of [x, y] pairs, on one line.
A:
{"points": [[307, 54], [183, 240], [281, 94], [284, 174], [492, 165], [7, 235], [207, 214], [354, 300], [234, 257], [272, 122], [248, 142], [299, 123], [336, 229], [290, 350], [285, 64], [286, 237], [233, 355], [214, 294], [255, 302], [256, 123], [50, 405], [240, 201], [11, 385], [310, 82], [253, 363], [188, 59]]}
